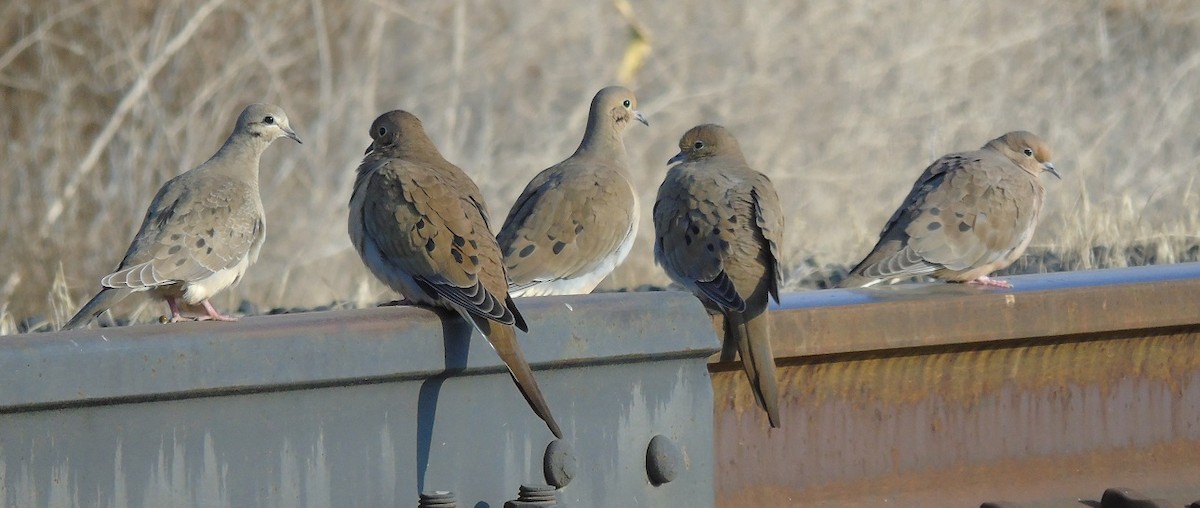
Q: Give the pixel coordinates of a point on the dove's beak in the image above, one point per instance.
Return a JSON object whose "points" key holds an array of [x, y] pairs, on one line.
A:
{"points": [[287, 131], [641, 118], [1049, 168], [677, 158], [370, 148]]}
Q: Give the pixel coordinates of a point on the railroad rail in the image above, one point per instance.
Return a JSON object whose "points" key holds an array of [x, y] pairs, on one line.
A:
{"points": [[1048, 394], [1073, 389]]}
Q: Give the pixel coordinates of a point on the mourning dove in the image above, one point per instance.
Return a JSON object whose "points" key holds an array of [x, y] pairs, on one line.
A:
{"points": [[967, 216], [203, 228], [718, 227], [576, 221], [420, 225]]}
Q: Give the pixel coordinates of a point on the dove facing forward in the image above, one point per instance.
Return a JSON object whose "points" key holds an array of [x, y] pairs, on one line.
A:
{"points": [[717, 230], [203, 228], [420, 225], [577, 220], [968, 215]]}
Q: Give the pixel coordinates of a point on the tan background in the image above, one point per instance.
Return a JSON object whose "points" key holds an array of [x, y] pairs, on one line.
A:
{"points": [[842, 104]]}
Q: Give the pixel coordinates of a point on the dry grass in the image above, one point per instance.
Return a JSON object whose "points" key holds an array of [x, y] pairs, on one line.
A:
{"points": [[842, 104]]}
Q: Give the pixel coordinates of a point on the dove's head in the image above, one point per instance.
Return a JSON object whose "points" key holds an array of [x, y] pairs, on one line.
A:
{"points": [[1027, 150], [267, 122], [615, 104], [398, 132], [704, 141]]}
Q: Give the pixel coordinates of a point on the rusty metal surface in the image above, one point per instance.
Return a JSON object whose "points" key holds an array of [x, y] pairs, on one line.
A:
{"points": [[937, 395]]}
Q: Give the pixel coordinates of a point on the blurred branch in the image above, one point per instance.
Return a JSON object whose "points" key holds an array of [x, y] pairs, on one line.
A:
{"points": [[639, 44], [25, 42], [135, 93], [394, 9]]}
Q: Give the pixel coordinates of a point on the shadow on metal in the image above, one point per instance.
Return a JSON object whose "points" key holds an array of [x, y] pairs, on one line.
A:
{"points": [[956, 395], [360, 408]]}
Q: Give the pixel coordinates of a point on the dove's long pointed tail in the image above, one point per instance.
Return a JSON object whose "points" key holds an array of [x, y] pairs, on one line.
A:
{"points": [[504, 340], [103, 300], [753, 338]]}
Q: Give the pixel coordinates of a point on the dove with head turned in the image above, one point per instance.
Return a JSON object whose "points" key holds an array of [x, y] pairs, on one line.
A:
{"points": [[420, 225], [203, 228], [968, 215], [577, 220], [718, 226]]}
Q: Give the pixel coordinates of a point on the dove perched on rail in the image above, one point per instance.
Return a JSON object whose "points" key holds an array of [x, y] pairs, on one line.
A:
{"points": [[718, 227], [576, 221], [968, 215], [203, 228], [420, 225]]}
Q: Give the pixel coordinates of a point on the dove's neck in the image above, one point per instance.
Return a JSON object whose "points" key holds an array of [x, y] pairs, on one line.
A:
{"points": [[417, 148], [601, 140], [240, 153]]}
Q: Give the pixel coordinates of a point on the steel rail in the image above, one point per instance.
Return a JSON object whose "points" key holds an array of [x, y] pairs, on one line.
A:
{"points": [[954, 395]]}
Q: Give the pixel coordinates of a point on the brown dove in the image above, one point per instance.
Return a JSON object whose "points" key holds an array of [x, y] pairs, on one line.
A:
{"points": [[203, 228], [717, 230], [968, 215], [576, 221], [420, 225]]}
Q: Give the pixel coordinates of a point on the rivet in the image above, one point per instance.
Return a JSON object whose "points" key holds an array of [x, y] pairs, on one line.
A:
{"points": [[663, 460], [534, 496], [558, 463], [437, 499]]}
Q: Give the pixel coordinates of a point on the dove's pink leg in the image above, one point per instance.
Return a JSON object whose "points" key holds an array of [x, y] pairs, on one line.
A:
{"points": [[175, 315], [984, 280], [213, 315]]}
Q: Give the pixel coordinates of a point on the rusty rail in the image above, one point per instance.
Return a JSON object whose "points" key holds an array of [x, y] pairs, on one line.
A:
{"points": [[951, 395]]}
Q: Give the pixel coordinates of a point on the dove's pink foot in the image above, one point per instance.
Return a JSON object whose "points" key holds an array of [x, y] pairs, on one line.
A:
{"points": [[175, 315], [990, 282], [213, 315]]}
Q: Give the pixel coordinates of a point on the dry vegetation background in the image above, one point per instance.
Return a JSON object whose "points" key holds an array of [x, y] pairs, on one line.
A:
{"points": [[841, 103]]}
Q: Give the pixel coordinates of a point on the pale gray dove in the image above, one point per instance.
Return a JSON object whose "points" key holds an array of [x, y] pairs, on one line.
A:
{"points": [[576, 221], [718, 227], [420, 225], [203, 228], [967, 216]]}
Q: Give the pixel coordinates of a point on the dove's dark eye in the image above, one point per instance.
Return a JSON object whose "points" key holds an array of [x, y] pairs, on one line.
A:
{"points": [[1028, 152], [382, 131], [698, 145], [270, 120], [627, 103]]}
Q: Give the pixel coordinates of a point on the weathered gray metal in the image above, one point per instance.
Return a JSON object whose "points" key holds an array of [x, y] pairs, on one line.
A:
{"points": [[358, 408], [952, 395]]}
